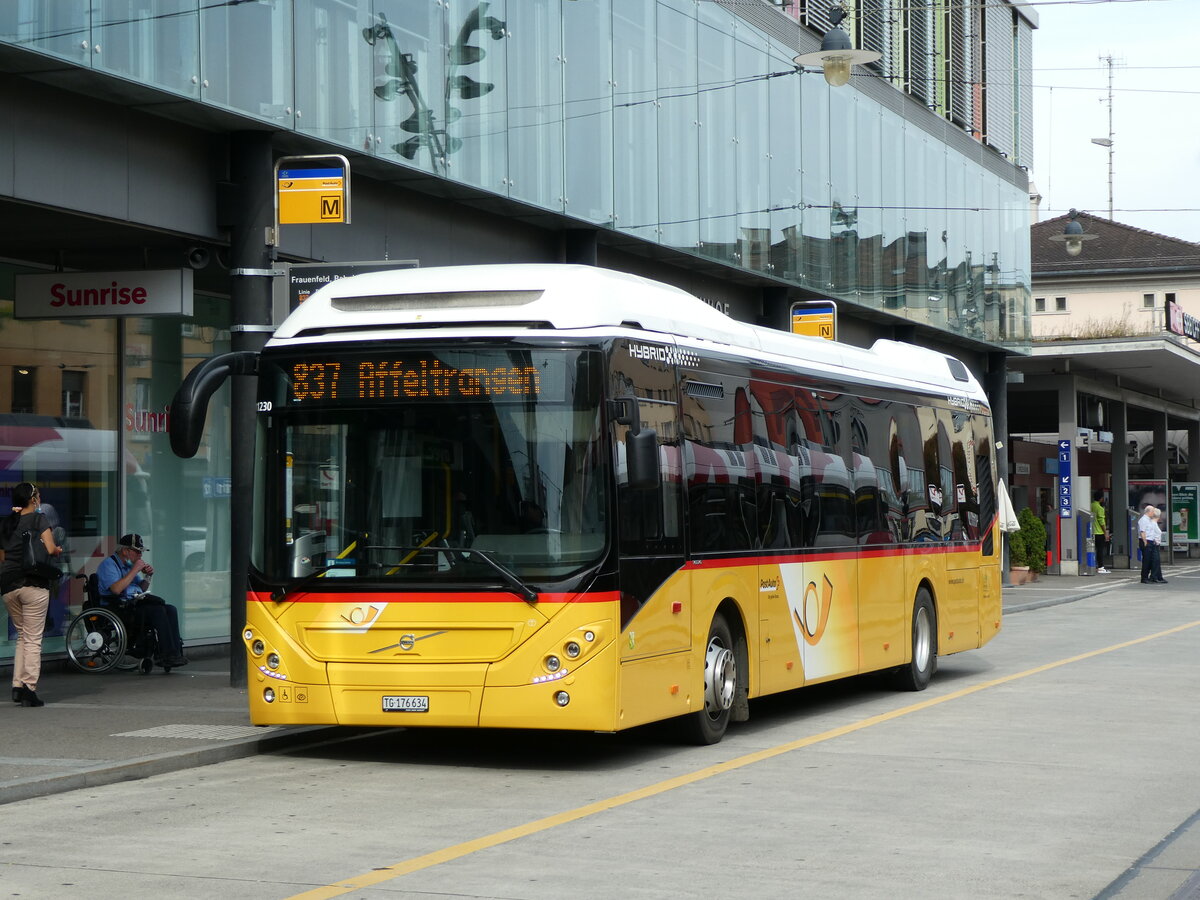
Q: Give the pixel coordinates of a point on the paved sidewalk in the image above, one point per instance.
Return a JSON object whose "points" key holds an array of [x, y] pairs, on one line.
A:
{"points": [[119, 726]]}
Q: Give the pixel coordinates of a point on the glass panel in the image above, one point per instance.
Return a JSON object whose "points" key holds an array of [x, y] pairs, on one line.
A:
{"points": [[246, 54], [334, 75], [960, 316], [60, 28], [408, 43], [677, 115], [752, 142], [868, 215], [155, 42], [477, 92], [58, 429], [588, 115], [718, 153], [535, 77], [893, 219], [180, 506], [843, 211], [394, 473], [635, 119], [784, 167], [814, 136], [917, 203]]}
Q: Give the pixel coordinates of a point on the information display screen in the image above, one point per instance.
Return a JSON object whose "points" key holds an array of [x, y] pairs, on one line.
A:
{"points": [[495, 375]]}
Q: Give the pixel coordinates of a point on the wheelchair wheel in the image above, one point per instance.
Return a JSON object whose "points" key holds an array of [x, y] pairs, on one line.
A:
{"points": [[96, 640]]}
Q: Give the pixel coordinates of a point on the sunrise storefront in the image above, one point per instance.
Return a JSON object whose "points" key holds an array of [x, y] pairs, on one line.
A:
{"points": [[89, 384]]}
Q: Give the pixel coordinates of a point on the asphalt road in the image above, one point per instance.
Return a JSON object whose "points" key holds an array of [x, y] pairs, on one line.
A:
{"points": [[1057, 762]]}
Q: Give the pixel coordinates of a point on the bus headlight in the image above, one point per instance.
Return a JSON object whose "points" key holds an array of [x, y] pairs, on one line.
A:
{"points": [[257, 648], [247, 634], [273, 660], [571, 649], [269, 695], [552, 663], [562, 698]]}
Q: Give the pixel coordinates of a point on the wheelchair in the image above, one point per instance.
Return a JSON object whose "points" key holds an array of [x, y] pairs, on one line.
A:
{"points": [[101, 638]]}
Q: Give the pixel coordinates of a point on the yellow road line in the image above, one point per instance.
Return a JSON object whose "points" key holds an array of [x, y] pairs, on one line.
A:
{"points": [[458, 851]]}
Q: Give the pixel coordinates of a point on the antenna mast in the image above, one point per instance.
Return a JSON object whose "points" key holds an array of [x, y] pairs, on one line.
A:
{"points": [[1108, 60]]}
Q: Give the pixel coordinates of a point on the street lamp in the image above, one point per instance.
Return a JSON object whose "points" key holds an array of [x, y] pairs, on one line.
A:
{"points": [[837, 54], [1073, 235]]}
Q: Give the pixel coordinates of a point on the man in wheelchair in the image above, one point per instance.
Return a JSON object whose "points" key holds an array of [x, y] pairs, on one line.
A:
{"points": [[124, 579]]}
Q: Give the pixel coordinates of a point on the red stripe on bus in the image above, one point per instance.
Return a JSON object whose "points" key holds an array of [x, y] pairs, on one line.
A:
{"points": [[449, 597], [830, 556]]}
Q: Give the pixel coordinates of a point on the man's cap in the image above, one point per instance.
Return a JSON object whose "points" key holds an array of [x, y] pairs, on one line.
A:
{"points": [[133, 541]]}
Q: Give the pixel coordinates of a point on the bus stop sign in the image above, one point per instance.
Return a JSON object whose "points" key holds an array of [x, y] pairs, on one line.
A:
{"points": [[816, 318], [312, 190]]}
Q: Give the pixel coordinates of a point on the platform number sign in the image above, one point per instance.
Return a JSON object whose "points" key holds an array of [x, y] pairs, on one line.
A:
{"points": [[1064, 479]]}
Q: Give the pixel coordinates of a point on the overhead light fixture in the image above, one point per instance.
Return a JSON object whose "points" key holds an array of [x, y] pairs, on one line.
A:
{"points": [[837, 55], [1073, 235]]}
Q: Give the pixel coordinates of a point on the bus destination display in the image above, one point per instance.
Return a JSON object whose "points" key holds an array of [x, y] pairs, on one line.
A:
{"points": [[424, 378]]}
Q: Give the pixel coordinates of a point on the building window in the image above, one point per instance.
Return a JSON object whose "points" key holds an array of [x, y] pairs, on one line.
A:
{"points": [[1039, 304], [1169, 296], [22, 389], [72, 393], [1060, 304], [1147, 301]]}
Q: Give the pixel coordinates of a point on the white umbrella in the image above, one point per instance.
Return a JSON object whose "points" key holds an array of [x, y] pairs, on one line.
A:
{"points": [[1008, 515]]}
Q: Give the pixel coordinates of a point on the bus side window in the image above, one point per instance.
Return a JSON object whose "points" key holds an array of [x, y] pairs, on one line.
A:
{"points": [[983, 477]]}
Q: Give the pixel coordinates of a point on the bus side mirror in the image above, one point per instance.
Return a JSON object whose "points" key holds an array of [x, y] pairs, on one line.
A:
{"points": [[641, 460], [641, 446], [189, 408]]}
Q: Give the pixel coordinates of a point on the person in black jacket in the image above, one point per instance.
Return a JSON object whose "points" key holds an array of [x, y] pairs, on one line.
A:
{"points": [[26, 597]]}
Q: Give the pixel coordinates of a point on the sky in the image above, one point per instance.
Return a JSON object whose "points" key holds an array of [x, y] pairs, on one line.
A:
{"points": [[1155, 46]]}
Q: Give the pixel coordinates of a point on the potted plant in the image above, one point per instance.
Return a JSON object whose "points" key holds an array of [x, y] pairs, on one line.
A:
{"points": [[1034, 535], [1027, 548], [1018, 558]]}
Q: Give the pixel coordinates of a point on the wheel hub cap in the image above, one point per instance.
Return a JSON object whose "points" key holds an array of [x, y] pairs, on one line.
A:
{"points": [[720, 676]]}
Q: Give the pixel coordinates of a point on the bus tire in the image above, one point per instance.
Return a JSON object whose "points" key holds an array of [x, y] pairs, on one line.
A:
{"points": [[915, 675], [721, 677]]}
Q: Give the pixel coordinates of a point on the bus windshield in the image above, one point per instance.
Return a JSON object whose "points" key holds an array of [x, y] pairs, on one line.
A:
{"points": [[398, 464]]}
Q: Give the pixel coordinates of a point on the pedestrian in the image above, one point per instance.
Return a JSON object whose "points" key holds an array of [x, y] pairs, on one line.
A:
{"points": [[1150, 537], [26, 596], [124, 580], [1100, 531]]}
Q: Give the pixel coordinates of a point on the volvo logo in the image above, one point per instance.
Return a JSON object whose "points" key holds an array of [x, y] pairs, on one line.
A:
{"points": [[408, 641]]}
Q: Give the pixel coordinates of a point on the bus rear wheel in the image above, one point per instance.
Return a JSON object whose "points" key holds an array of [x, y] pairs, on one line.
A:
{"points": [[916, 674], [707, 726]]}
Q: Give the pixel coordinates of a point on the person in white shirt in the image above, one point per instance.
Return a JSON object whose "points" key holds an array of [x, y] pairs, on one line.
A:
{"points": [[1150, 535]]}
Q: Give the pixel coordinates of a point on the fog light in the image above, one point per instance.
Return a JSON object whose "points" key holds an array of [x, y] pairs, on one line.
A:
{"points": [[257, 648], [589, 636], [247, 634], [562, 698], [273, 660], [553, 663], [572, 649], [269, 695]]}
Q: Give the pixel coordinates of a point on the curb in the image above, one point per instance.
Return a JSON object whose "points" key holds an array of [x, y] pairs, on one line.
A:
{"points": [[162, 763]]}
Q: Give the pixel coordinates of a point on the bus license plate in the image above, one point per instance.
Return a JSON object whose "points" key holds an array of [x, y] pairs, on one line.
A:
{"points": [[405, 704]]}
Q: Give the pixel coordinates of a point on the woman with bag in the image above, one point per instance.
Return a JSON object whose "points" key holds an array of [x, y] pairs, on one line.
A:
{"points": [[26, 595]]}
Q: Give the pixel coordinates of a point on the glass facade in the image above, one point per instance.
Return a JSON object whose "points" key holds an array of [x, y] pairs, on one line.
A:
{"points": [[83, 414], [676, 121]]}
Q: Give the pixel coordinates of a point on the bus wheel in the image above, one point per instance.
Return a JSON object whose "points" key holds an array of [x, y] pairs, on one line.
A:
{"points": [[720, 686], [916, 674]]}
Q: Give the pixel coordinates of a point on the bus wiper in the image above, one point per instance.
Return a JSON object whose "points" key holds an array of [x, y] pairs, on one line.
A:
{"points": [[277, 594], [514, 581]]}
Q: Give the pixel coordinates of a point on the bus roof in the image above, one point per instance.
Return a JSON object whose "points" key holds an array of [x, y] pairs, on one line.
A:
{"points": [[502, 298]]}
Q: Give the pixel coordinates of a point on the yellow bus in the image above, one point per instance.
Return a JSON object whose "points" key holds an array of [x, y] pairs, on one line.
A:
{"points": [[562, 497]]}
